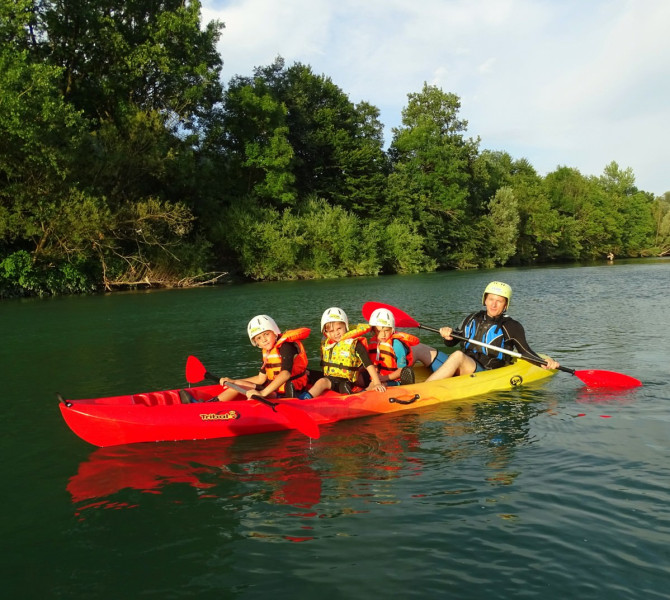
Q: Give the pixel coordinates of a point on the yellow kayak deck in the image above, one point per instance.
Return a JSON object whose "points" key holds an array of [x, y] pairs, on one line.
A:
{"points": [[333, 407]]}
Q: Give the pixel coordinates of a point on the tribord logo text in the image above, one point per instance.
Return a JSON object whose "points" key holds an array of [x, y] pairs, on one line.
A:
{"points": [[222, 416]]}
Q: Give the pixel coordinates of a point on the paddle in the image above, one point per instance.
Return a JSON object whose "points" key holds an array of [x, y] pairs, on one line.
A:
{"points": [[299, 419], [591, 377]]}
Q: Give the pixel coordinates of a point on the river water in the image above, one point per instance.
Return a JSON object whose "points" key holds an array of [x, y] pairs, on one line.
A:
{"points": [[547, 492]]}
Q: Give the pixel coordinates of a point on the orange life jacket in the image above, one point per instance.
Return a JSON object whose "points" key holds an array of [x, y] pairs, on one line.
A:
{"points": [[272, 359], [383, 356]]}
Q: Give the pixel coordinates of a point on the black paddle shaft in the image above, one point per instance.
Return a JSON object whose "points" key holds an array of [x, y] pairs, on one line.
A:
{"points": [[241, 390]]}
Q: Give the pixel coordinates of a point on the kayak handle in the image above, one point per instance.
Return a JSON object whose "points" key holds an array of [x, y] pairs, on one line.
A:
{"points": [[410, 401], [63, 400]]}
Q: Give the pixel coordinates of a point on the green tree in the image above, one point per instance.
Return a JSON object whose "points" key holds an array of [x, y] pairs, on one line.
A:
{"points": [[95, 199], [504, 226], [431, 162], [362, 163], [661, 214], [286, 134], [402, 248], [631, 210], [491, 170], [320, 241], [150, 54], [337, 145], [254, 137], [571, 196], [38, 138]]}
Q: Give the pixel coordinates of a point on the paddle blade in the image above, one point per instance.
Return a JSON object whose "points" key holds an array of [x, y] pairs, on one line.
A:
{"points": [[195, 370], [607, 379], [402, 319], [300, 420]]}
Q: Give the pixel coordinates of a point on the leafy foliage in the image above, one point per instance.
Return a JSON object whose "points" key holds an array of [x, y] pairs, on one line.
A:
{"points": [[504, 225], [661, 215], [431, 171], [123, 162]]}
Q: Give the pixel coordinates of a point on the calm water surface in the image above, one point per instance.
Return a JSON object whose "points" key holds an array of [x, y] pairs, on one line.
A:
{"points": [[546, 492]]}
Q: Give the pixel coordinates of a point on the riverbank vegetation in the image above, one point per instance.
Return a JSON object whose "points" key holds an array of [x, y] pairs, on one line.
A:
{"points": [[125, 162]]}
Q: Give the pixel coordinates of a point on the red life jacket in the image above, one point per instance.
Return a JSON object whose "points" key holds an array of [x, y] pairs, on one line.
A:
{"points": [[383, 356], [272, 359]]}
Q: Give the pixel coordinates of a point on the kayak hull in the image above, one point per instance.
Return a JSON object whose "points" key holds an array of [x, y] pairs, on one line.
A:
{"points": [[160, 416]]}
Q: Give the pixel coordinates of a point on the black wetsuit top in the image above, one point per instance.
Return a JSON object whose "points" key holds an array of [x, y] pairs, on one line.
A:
{"points": [[500, 331]]}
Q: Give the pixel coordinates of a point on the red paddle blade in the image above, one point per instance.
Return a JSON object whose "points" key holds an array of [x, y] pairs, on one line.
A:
{"points": [[195, 370], [402, 319], [607, 379], [299, 419]]}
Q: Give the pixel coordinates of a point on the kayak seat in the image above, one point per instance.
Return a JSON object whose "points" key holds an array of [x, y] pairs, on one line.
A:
{"points": [[142, 399], [164, 398], [157, 398], [172, 397]]}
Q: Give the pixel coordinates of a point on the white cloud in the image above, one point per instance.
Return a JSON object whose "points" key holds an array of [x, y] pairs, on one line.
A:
{"points": [[559, 82]]}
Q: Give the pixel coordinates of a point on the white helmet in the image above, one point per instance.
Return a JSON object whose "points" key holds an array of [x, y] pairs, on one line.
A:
{"points": [[259, 324], [382, 317], [334, 315]]}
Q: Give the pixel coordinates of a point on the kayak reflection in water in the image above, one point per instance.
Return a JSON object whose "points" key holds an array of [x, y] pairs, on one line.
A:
{"points": [[491, 326], [109, 475]]}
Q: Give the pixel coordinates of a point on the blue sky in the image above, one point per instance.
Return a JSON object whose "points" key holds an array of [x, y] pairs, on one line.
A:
{"points": [[578, 83]]}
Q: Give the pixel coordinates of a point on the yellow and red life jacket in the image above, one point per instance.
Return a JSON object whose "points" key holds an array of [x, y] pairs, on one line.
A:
{"points": [[272, 358], [339, 359], [383, 356]]}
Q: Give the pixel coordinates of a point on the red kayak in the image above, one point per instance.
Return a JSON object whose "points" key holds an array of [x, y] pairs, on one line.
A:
{"points": [[161, 416]]}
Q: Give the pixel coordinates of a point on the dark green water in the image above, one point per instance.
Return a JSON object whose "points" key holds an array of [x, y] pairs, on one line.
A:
{"points": [[551, 492]]}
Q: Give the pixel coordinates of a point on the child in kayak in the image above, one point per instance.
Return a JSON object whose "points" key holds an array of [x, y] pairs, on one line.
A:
{"points": [[394, 353], [284, 369], [343, 355]]}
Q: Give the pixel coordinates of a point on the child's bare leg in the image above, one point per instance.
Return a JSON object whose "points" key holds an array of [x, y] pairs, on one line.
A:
{"points": [[230, 393], [319, 387]]}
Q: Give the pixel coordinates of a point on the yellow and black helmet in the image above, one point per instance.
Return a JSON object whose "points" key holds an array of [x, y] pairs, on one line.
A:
{"points": [[499, 289]]}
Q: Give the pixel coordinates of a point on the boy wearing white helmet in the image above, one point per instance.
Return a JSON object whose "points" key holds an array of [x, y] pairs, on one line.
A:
{"points": [[390, 350], [284, 369], [491, 326], [343, 355], [395, 352]]}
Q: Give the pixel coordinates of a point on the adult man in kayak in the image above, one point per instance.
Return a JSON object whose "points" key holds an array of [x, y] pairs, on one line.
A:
{"points": [[491, 326]]}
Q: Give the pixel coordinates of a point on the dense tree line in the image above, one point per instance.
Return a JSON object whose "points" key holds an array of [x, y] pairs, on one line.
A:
{"points": [[124, 161]]}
